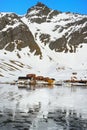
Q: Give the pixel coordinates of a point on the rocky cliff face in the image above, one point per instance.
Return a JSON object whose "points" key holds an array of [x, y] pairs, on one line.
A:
{"points": [[69, 29], [14, 34], [40, 13]]}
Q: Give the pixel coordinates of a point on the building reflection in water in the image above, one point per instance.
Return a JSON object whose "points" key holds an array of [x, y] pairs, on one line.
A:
{"points": [[33, 87]]}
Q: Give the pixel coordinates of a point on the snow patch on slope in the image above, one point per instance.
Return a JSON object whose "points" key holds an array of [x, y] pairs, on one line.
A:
{"points": [[59, 66]]}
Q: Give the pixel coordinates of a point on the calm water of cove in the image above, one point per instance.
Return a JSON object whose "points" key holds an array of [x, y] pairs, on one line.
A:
{"points": [[43, 108]]}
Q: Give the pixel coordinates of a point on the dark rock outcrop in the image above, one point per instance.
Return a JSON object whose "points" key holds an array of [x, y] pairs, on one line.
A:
{"points": [[15, 34]]}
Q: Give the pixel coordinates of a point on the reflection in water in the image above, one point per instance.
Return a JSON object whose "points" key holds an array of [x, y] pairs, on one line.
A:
{"points": [[10, 120], [68, 120], [59, 118], [33, 87], [42, 108], [73, 88]]}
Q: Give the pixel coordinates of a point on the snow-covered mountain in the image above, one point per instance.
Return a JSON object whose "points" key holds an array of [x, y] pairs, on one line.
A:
{"points": [[43, 41]]}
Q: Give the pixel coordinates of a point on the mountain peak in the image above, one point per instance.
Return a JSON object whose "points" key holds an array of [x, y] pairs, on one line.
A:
{"points": [[40, 4]]}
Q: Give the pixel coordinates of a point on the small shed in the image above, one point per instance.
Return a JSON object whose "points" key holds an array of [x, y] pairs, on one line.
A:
{"points": [[23, 80]]}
